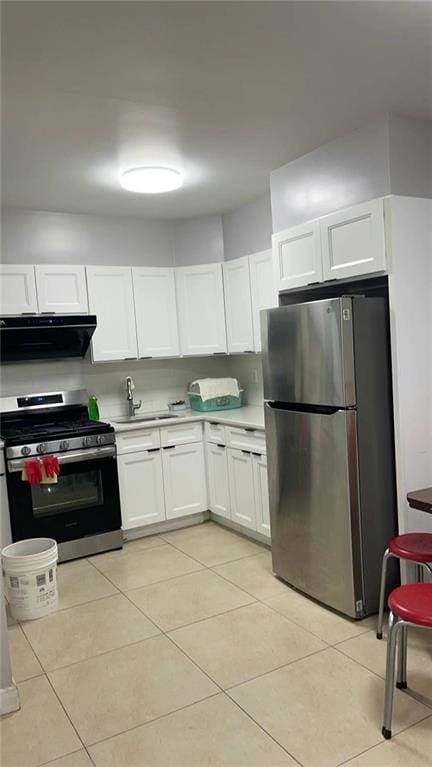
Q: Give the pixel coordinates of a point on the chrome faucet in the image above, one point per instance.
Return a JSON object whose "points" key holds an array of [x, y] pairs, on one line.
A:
{"points": [[132, 407]]}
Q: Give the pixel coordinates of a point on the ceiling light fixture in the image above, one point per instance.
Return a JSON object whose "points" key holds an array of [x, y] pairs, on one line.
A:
{"points": [[151, 179]]}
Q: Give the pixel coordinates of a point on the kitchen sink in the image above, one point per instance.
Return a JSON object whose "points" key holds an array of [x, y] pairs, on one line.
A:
{"points": [[141, 418]]}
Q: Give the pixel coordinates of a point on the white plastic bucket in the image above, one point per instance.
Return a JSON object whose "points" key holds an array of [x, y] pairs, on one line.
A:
{"points": [[30, 577]]}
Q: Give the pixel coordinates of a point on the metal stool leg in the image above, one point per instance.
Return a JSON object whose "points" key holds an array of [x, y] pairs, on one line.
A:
{"points": [[393, 629], [428, 568], [386, 556], [401, 678]]}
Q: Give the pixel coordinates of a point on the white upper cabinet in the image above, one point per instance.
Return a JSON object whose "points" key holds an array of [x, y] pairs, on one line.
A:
{"points": [[156, 312], [18, 289], [297, 256], [201, 311], [61, 289], [238, 305], [111, 298], [263, 290], [353, 241]]}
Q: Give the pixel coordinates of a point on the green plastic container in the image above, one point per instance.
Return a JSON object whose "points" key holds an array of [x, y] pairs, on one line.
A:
{"points": [[217, 403]]}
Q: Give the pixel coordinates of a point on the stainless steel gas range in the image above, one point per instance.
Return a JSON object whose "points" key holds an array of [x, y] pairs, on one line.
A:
{"points": [[81, 510]]}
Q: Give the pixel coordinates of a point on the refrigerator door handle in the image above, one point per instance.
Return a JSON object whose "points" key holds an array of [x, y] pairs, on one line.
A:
{"points": [[299, 408]]}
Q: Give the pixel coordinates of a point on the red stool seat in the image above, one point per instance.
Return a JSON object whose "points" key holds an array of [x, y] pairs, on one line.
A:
{"points": [[414, 546], [413, 602]]}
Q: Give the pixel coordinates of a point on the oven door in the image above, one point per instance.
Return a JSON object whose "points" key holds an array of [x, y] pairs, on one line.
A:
{"points": [[84, 501]]}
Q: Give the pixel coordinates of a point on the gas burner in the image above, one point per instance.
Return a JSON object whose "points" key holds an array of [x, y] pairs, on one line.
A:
{"points": [[50, 423]]}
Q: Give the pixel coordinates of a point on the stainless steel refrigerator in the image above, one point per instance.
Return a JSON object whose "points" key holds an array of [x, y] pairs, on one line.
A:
{"points": [[329, 430]]}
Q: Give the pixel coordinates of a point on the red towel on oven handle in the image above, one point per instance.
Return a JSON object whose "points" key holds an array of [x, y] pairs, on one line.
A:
{"points": [[33, 469], [51, 465]]}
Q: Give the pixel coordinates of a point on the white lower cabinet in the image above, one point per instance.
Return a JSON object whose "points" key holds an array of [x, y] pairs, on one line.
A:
{"points": [[184, 480], [218, 483], [248, 489], [241, 487], [166, 481], [262, 510], [141, 488]]}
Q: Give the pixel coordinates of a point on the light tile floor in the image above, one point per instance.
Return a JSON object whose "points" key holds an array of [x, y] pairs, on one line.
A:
{"points": [[183, 650]]}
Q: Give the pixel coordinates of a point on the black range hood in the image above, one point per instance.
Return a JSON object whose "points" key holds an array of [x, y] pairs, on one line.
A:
{"points": [[27, 338]]}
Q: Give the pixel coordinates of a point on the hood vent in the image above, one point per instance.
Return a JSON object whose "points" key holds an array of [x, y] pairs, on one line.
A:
{"points": [[45, 337]]}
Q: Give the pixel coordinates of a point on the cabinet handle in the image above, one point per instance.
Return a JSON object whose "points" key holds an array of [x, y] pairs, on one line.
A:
{"points": [[221, 445], [128, 359], [214, 353], [144, 358], [213, 423], [169, 447], [153, 450], [257, 454], [248, 351], [246, 452], [246, 428]]}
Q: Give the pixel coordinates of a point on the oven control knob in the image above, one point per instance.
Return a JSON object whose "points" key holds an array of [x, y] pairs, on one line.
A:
{"points": [[99, 439], [64, 444], [86, 441], [42, 448], [25, 450]]}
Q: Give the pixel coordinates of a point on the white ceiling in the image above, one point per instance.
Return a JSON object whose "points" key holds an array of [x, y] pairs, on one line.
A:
{"points": [[224, 91]]}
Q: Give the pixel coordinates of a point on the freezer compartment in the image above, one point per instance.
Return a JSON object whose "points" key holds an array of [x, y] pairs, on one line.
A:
{"points": [[307, 353], [314, 504]]}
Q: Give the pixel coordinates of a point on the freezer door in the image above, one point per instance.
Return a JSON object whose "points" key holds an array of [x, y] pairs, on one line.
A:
{"points": [[314, 504], [308, 353]]}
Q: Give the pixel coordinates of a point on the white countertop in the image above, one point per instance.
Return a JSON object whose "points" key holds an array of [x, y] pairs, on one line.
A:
{"points": [[248, 416]]}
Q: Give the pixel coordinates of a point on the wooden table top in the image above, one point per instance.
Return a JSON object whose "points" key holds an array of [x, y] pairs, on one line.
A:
{"points": [[421, 499]]}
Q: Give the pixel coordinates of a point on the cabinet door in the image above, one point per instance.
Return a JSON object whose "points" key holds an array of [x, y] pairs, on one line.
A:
{"points": [[61, 289], [184, 480], [18, 289], [111, 299], [241, 488], [156, 312], [263, 289], [262, 510], [201, 310], [238, 305], [297, 256], [217, 473], [353, 241], [141, 488]]}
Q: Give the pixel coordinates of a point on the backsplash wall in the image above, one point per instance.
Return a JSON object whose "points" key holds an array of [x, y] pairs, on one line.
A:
{"points": [[156, 381]]}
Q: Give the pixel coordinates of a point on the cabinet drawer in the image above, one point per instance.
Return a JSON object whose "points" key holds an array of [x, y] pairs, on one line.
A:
{"points": [[133, 441], [215, 432], [181, 433], [246, 439]]}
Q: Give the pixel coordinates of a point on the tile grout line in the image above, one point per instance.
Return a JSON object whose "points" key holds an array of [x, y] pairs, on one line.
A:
{"points": [[382, 742], [66, 713], [269, 735], [192, 623], [382, 678], [151, 721], [51, 761]]}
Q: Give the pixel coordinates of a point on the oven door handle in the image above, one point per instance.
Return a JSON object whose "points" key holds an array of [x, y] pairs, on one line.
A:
{"points": [[72, 457]]}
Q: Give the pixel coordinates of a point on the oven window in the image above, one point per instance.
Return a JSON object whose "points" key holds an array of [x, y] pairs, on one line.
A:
{"points": [[71, 492]]}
